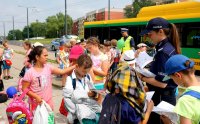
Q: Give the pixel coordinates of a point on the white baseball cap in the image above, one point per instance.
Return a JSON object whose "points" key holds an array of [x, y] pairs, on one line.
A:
{"points": [[141, 45], [37, 44]]}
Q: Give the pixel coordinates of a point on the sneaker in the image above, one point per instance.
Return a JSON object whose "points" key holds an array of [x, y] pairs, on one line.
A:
{"points": [[5, 77], [10, 77]]}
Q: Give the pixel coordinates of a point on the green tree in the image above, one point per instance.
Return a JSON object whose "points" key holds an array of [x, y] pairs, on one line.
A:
{"points": [[24, 32], [15, 35], [38, 29], [129, 11], [55, 25], [136, 6]]}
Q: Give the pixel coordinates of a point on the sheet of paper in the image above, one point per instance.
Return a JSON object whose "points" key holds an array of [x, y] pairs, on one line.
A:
{"points": [[144, 72], [149, 95], [164, 108], [143, 59]]}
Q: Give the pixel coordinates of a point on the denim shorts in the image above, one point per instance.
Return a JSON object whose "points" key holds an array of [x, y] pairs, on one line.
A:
{"points": [[5, 66]]}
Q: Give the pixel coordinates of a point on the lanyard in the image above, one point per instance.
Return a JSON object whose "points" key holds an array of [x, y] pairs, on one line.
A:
{"points": [[82, 83]]}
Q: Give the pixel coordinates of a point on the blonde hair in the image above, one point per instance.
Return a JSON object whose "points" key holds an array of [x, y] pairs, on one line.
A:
{"points": [[93, 41], [72, 41], [68, 45]]}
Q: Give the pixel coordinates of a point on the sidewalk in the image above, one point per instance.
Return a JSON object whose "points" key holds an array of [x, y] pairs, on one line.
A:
{"points": [[51, 54], [16, 68]]}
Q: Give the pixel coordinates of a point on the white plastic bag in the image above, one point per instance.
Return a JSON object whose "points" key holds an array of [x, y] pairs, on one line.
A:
{"points": [[43, 114]]}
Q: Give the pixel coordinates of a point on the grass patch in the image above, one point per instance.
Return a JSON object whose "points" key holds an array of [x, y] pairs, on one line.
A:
{"points": [[43, 41]]}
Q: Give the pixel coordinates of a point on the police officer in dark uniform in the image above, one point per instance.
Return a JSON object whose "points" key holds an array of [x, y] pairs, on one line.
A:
{"points": [[165, 36]]}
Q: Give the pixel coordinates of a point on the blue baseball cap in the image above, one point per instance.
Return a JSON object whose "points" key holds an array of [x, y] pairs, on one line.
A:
{"points": [[62, 42], [176, 63], [155, 23]]}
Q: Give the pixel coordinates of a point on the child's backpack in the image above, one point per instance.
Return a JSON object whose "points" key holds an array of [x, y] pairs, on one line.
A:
{"points": [[192, 93], [18, 111], [63, 110], [74, 81], [111, 110]]}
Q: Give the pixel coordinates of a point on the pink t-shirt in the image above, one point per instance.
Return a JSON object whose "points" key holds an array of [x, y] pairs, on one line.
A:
{"points": [[41, 84], [97, 60], [26, 63]]}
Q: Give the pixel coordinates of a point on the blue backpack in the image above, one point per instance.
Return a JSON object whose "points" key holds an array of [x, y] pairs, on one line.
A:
{"points": [[193, 94], [74, 81]]}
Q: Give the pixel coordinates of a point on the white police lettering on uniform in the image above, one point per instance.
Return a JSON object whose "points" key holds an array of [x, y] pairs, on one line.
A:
{"points": [[157, 26], [160, 49], [161, 73]]}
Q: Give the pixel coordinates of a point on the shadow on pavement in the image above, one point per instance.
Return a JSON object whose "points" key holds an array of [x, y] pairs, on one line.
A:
{"points": [[59, 118]]}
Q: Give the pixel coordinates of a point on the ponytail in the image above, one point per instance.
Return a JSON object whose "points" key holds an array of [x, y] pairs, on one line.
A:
{"points": [[174, 38], [37, 51]]}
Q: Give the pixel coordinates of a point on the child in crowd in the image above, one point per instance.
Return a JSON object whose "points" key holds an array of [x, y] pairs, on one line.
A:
{"points": [[27, 65], [3, 95], [80, 101], [72, 42], [75, 52], [7, 57], [61, 54], [100, 63], [67, 48], [65, 60], [38, 79], [116, 55], [108, 53], [83, 44], [1, 63], [142, 47], [126, 98], [181, 70]]}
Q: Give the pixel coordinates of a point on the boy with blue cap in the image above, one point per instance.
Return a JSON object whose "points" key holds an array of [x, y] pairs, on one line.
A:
{"points": [[181, 70], [129, 42]]}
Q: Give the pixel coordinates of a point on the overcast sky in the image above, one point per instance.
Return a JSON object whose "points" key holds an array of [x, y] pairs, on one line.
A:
{"points": [[44, 8]]}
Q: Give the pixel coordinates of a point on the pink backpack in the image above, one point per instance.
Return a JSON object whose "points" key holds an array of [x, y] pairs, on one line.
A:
{"points": [[18, 111]]}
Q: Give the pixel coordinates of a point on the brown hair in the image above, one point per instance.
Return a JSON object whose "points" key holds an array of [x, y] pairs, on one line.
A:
{"points": [[4, 42], [114, 42], [85, 61], [93, 41], [37, 51], [172, 33], [28, 43], [107, 43]]}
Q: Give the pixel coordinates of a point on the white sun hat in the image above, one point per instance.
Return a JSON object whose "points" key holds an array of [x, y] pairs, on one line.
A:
{"points": [[129, 56]]}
